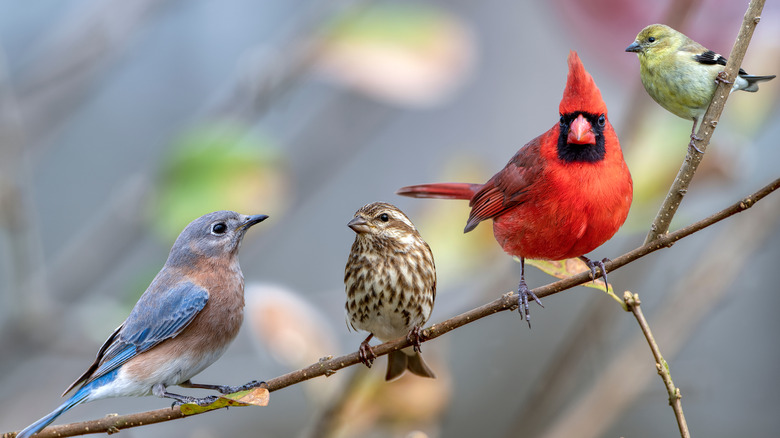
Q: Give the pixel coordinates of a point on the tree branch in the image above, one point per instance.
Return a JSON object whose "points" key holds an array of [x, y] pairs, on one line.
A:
{"points": [[632, 302], [329, 365], [680, 185]]}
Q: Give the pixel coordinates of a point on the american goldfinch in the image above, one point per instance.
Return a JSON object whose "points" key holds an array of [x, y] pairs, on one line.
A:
{"points": [[681, 74]]}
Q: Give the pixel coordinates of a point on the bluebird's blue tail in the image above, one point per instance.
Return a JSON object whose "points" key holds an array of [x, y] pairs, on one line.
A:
{"points": [[79, 397], [36, 427]]}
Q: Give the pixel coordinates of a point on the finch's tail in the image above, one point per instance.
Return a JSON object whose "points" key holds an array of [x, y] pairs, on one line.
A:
{"points": [[441, 190], [36, 427], [750, 82], [398, 362]]}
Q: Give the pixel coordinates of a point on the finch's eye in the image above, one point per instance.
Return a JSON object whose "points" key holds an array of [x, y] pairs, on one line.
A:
{"points": [[602, 120], [651, 40], [384, 217], [219, 228]]}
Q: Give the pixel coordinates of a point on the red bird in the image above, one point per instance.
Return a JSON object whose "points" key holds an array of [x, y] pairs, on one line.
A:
{"points": [[562, 195]]}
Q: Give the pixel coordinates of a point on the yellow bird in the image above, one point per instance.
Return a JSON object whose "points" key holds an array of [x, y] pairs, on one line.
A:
{"points": [[681, 74]]}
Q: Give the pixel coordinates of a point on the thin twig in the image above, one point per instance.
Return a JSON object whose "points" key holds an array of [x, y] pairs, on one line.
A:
{"points": [[508, 301], [680, 185], [633, 303]]}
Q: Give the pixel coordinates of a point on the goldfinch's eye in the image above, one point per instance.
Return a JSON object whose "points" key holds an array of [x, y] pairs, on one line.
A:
{"points": [[651, 40], [384, 217], [602, 120], [219, 228]]}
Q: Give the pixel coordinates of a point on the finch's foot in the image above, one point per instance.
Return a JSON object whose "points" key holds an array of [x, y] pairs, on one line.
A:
{"points": [[415, 337], [721, 77], [597, 264], [692, 144], [522, 301], [365, 352]]}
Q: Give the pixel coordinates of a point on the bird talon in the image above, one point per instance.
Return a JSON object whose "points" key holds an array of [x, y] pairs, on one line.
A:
{"points": [[597, 264], [205, 401], [247, 386], [415, 337], [722, 78], [366, 354], [692, 144], [523, 294]]}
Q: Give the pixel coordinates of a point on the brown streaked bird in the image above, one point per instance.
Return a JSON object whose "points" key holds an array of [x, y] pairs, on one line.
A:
{"points": [[390, 281]]}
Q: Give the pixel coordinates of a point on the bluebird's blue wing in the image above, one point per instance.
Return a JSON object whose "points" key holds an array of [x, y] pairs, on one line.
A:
{"points": [[158, 315]]}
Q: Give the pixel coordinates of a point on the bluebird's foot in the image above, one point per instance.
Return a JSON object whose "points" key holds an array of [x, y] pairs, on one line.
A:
{"points": [[415, 337], [185, 399], [597, 264], [523, 294], [365, 352], [231, 389], [222, 389]]}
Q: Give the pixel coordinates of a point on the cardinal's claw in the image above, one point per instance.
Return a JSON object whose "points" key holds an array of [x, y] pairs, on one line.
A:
{"points": [[523, 294], [597, 264]]}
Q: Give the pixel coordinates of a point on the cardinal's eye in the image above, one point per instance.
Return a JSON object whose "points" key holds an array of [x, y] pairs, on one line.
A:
{"points": [[563, 121], [602, 120], [219, 228], [384, 217]]}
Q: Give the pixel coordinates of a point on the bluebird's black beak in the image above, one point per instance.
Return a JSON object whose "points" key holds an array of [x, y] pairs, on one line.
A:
{"points": [[253, 220]]}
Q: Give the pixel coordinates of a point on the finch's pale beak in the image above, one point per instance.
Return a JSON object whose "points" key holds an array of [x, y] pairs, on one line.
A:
{"points": [[253, 220], [581, 132], [634, 47], [359, 225]]}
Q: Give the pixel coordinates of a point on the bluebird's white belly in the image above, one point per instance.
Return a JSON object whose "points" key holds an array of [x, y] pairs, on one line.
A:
{"points": [[173, 372]]}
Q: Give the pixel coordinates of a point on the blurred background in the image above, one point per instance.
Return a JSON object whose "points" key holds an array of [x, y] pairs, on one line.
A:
{"points": [[120, 122]]}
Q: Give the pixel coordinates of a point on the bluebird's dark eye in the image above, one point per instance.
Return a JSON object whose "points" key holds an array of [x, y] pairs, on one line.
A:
{"points": [[384, 217], [651, 39], [602, 120], [219, 228]]}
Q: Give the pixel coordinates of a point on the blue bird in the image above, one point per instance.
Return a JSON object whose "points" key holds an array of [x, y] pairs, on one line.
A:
{"points": [[184, 321]]}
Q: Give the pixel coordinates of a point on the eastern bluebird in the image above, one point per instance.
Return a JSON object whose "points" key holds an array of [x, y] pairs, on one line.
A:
{"points": [[183, 322]]}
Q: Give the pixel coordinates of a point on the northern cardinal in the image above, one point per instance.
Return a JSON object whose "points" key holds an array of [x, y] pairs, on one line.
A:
{"points": [[562, 195]]}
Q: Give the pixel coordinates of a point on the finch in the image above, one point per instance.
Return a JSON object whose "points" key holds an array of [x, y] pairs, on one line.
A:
{"points": [[562, 195], [390, 281], [681, 74]]}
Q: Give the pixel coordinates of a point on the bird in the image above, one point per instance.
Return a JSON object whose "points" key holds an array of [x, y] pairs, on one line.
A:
{"points": [[390, 282], [562, 195], [681, 74], [181, 324]]}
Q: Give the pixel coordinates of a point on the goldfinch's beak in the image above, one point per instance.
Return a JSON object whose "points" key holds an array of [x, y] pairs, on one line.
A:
{"points": [[359, 225], [581, 132], [634, 47]]}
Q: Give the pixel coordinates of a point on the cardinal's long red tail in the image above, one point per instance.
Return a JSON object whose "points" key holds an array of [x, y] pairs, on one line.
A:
{"points": [[441, 190]]}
